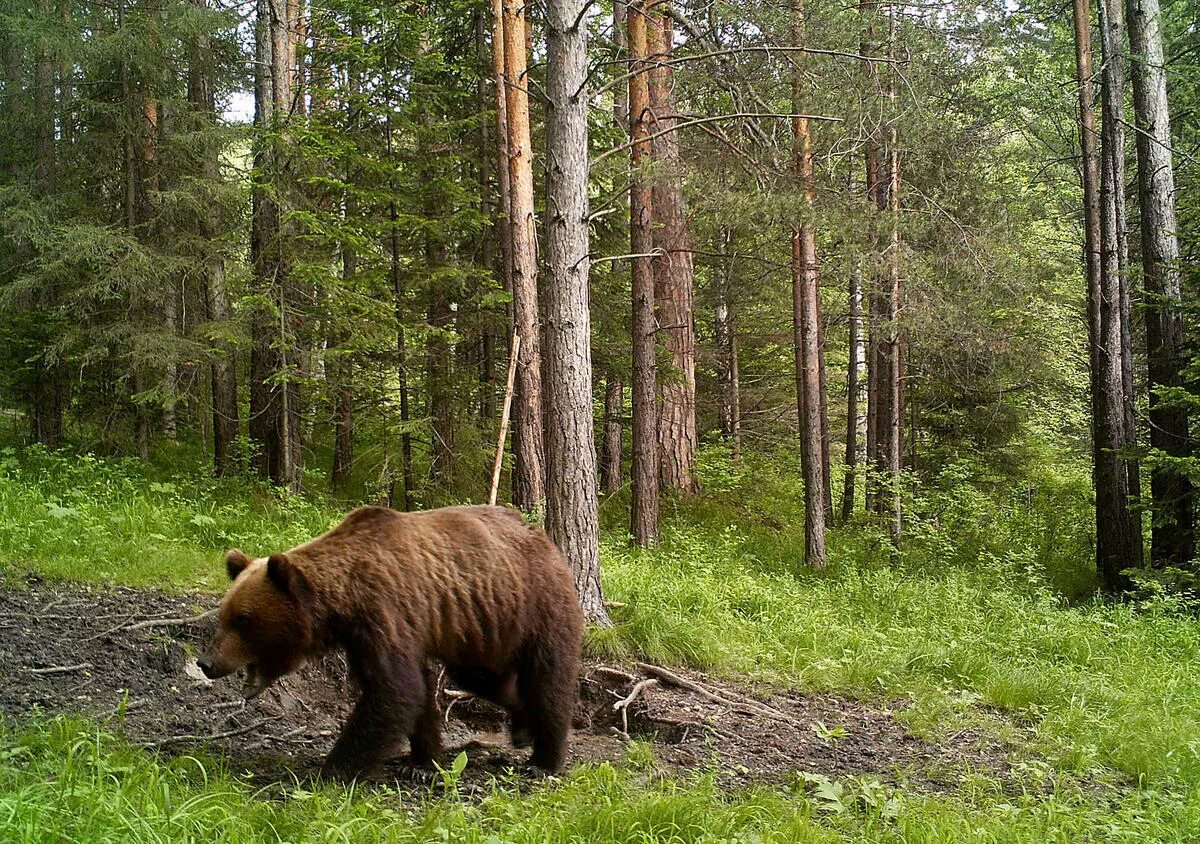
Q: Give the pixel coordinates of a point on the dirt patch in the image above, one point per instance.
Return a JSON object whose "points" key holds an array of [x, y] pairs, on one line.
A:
{"points": [[114, 654]]}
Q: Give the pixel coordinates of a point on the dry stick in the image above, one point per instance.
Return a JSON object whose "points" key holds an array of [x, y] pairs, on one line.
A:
{"points": [[170, 622], [508, 397], [215, 736], [61, 669], [746, 707], [622, 705]]}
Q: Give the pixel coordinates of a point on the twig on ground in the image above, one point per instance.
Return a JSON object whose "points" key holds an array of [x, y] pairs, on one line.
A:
{"points": [[62, 669], [746, 706], [616, 673], [170, 622], [125, 707], [622, 705], [213, 737]]}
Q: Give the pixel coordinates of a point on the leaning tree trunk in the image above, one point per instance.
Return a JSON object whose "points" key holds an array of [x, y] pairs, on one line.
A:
{"points": [[529, 487], [572, 517], [1114, 538], [673, 271], [806, 317], [1172, 540], [644, 472]]}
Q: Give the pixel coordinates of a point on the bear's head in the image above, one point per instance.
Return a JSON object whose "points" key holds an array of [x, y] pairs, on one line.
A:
{"points": [[265, 623]]}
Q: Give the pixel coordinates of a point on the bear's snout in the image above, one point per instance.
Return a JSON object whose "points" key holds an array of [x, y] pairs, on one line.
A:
{"points": [[206, 666]]}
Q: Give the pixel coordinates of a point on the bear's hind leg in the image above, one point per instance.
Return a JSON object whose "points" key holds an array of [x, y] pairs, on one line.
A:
{"points": [[500, 689], [425, 743], [547, 679]]}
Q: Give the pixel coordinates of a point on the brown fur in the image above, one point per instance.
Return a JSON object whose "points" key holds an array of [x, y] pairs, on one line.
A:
{"points": [[474, 587]]}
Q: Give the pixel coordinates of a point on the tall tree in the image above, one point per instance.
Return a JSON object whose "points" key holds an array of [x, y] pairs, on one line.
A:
{"points": [[1172, 540], [1114, 535], [274, 389], [806, 314], [644, 472], [672, 266], [895, 403], [855, 368], [529, 486], [226, 414], [1115, 310], [612, 444], [728, 364], [572, 517]]}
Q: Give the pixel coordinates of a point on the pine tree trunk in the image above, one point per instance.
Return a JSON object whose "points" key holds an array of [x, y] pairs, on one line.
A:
{"points": [[895, 340], [572, 516], [1113, 527], [49, 384], [397, 279], [673, 272], [1115, 311], [644, 470], [223, 371], [806, 318], [273, 405], [1172, 541], [610, 454], [727, 357], [529, 481]]}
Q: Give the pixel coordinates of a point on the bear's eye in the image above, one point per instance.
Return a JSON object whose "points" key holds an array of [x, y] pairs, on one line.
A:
{"points": [[243, 620]]}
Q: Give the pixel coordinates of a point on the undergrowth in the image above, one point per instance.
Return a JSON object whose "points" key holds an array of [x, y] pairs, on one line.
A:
{"points": [[984, 621], [64, 780]]}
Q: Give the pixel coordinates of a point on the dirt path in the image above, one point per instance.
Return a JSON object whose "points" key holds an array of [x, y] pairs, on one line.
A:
{"points": [[73, 648]]}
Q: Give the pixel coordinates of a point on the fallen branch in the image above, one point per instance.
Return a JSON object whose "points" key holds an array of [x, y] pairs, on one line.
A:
{"points": [[213, 737], [169, 622], [125, 707], [745, 706], [622, 705], [61, 669], [615, 673]]}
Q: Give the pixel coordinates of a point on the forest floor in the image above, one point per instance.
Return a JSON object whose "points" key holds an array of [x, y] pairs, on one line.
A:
{"points": [[125, 656]]}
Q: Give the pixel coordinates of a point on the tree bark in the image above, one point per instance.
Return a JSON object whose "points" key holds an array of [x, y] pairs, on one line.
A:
{"points": [[1115, 311], [644, 471], [529, 481], [854, 372], [572, 516], [1113, 526], [806, 317], [727, 350], [226, 416], [673, 271], [610, 455], [895, 339], [1172, 540], [274, 399]]}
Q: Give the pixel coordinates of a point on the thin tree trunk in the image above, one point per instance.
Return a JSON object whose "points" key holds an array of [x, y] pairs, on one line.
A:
{"points": [[1172, 540], [644, 472], [806, 318], [610, 454], [727, 357], [854, 372], [673, 271], [397, 277], [1113, 534], [529, 486], [572, 516], [48, 399], [895, 341]]}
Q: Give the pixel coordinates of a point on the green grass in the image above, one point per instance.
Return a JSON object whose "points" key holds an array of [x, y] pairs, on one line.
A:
{"points": [[980, 623], [64, 780]]}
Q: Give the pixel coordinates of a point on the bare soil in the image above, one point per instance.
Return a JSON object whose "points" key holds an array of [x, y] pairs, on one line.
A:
{"points": [[75, 648]]}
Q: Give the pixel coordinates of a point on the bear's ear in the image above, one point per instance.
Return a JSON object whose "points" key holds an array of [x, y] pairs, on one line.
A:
{"points": [[235, 563], [287, 578]]}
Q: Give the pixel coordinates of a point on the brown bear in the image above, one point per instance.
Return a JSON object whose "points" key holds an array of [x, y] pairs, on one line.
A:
{"points": [[476, 588]]}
